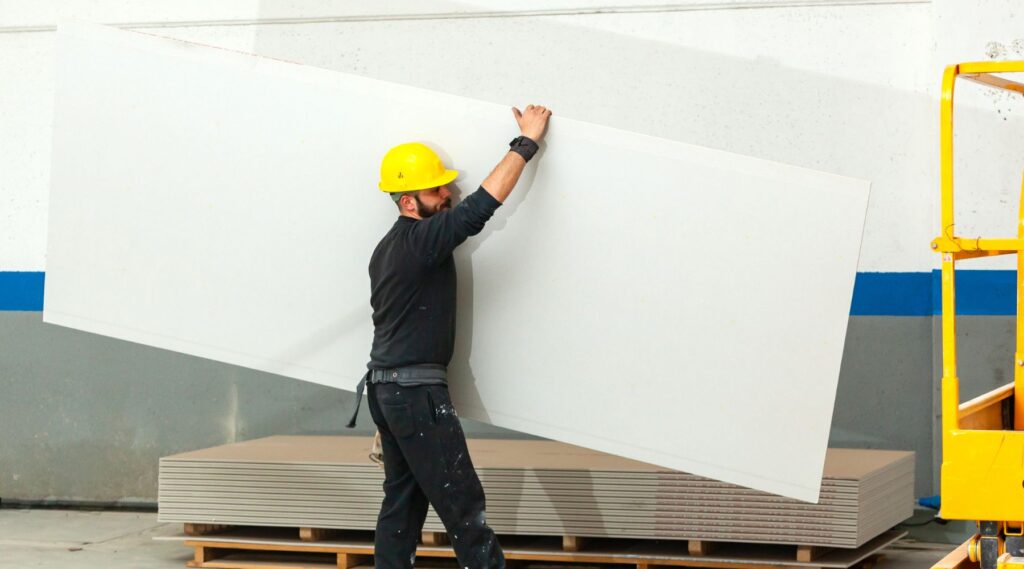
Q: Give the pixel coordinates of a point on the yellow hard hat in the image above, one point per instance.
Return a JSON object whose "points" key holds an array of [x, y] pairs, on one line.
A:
{"points": [[413, 166]]}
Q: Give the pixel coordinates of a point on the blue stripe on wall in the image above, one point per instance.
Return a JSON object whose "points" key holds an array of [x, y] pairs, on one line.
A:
{"points": [[21, 290], [980, 293], [892, 294]]}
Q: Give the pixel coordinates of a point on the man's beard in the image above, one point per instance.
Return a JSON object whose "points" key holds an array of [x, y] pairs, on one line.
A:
{"points": [[424, 212]]}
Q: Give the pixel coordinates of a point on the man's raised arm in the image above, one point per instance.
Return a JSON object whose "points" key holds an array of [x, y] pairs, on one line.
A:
{"points": [[503, 178]]}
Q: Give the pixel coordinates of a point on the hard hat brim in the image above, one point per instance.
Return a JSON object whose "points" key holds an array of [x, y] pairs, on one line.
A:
{"points": [[446, 178]]}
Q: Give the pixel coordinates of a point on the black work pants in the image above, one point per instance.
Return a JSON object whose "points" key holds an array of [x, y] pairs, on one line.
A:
{"points": [[426, 460]]}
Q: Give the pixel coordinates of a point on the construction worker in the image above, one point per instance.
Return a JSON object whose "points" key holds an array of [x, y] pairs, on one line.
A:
{"points": [[413, 286]]}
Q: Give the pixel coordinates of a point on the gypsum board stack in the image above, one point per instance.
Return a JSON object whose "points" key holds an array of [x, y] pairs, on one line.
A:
{"points": [[536, 488]]}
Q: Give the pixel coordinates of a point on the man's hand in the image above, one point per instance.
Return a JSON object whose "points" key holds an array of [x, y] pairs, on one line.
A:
{"points": [[532, 121], [503, 178]]}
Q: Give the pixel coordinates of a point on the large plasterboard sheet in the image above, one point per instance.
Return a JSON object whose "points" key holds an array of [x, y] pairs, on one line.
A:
{"points": [[673, 304]]}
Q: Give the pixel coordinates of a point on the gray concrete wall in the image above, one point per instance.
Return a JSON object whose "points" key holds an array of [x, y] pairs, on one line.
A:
{"points": [[86, 418], [884, 399]]}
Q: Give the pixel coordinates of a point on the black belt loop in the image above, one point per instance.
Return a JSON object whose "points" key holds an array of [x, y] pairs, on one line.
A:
{"points": [[403, 376]]}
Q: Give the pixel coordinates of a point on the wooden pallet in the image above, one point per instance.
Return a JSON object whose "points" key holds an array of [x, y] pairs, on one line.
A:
{"points": [[281, 548], [697, 548]]}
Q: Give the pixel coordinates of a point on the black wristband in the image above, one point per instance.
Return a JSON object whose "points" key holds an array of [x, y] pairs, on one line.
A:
{"points": [[524, 147]]}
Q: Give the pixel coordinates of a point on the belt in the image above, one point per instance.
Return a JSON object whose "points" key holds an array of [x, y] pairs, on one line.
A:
{"points": [[411, 376]]}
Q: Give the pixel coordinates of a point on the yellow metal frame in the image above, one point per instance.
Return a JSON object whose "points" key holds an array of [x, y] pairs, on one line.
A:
{"points": [[983, 456], [982, 452]]}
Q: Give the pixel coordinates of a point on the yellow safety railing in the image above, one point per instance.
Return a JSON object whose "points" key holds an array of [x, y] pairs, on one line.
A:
{"points": [[983, 452]]}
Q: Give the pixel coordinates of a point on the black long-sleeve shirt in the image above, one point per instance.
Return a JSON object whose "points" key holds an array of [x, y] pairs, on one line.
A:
{"points": [[413, 284]]}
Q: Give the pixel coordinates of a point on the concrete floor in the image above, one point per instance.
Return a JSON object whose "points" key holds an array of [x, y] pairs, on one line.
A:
{"points": [[122, 540], [94, 540]]}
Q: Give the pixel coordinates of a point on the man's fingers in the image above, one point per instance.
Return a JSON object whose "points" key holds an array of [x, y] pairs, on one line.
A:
{"points": [[536, 115]]}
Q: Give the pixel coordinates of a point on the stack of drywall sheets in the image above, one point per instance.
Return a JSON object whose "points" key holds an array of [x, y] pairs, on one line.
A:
{"points": [[536, 488]]}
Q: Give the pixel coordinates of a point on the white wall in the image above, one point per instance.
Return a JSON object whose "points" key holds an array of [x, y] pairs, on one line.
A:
{"points": [[988, 148], [848, 89]]}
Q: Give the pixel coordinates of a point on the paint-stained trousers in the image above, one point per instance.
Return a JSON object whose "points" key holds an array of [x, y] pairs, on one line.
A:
{"points": [[426, 459]]}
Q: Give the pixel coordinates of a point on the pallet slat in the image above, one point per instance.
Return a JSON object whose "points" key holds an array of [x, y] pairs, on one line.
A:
{"points": [[241, 550]]}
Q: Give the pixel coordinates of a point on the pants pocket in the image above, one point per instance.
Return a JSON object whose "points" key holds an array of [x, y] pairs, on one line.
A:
{"points": [[399, 418], [431, 408]]}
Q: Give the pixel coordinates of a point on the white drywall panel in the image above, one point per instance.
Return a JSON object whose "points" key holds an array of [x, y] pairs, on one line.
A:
{"points": [[833, 88], [843, 90], [223, 205]]}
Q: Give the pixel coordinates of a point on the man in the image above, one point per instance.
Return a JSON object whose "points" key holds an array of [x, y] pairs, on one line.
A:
{"points": [[413, 286]]}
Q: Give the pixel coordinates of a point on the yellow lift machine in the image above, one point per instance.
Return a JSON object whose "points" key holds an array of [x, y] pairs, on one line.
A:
{"points": [[982, 439]]}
